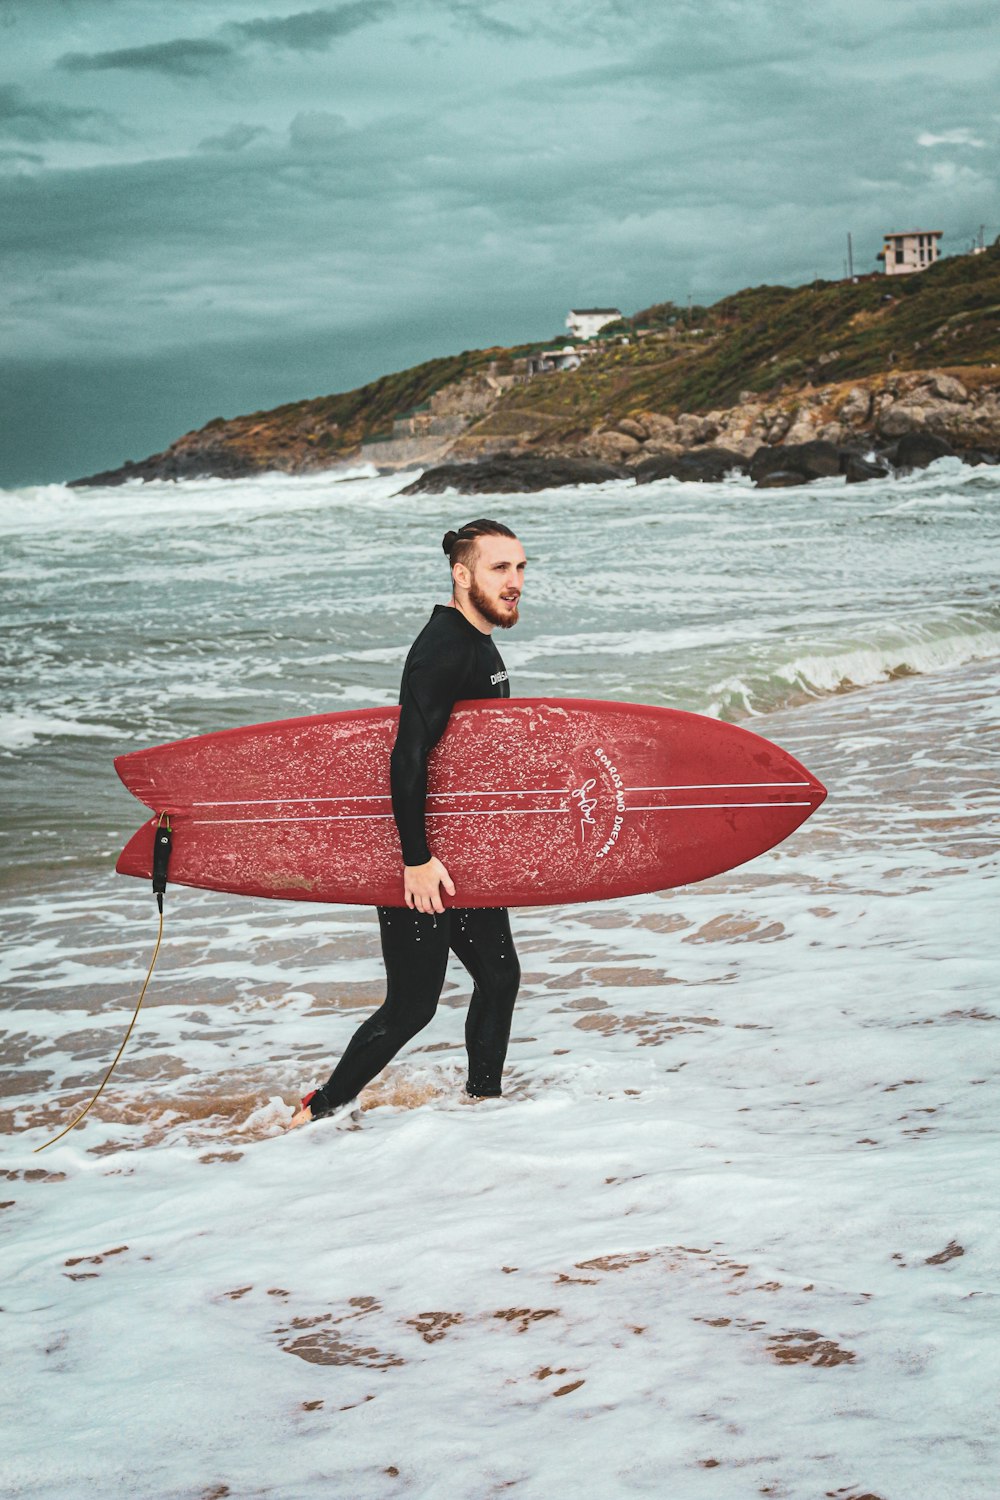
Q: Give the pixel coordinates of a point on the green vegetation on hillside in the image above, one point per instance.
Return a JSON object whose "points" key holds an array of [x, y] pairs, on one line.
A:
{"points": [[345, 420], [354, 415], [765, 339], [769, 339]]}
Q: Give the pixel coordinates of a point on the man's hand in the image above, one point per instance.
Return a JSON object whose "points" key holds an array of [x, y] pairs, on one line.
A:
{"points": [[421, 885]]}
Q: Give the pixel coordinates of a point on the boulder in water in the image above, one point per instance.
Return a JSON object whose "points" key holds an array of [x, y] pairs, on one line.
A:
{"points": [[858, 470], [509, 473], [816, 460], [780, 479], [700, 466], [915, 450]]}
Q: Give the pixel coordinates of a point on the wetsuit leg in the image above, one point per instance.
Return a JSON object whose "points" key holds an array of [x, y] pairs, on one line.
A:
{"points": [[415, 950], [481, 939]]}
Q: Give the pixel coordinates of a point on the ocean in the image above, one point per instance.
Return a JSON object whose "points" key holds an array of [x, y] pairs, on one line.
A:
{"points": [[731, 1230]]}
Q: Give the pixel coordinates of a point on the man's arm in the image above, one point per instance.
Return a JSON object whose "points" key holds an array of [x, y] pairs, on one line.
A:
{"points": [[432, 687]]}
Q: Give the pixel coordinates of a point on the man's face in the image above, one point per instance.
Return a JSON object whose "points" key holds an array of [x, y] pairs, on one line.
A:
{"points": [[497, 579]]}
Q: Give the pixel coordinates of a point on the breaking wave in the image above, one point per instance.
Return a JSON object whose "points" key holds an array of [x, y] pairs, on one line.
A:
{"points": [[820, 673]]}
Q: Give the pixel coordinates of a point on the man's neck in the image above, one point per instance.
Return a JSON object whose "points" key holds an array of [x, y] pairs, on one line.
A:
{"points": [[473, 616]]}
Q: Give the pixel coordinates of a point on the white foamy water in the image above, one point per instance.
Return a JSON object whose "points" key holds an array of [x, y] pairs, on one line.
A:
{"points": [[730, 1233]]}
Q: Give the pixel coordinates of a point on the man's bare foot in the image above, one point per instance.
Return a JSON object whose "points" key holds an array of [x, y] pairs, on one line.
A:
{"points": [[303, 1117]]}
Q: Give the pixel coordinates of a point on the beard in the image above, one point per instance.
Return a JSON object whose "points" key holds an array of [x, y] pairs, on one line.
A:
{"points": [[491, 611]]}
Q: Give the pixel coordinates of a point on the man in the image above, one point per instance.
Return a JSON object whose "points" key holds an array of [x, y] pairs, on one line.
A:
{"points": [[453, 657]]}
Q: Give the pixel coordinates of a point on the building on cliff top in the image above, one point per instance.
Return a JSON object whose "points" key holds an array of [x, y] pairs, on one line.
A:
{"points": [[913, 250], [585, 322]]}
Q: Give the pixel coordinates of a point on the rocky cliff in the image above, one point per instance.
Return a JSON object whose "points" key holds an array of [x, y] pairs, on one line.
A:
{"points": [[834, 361], [960, 404]]}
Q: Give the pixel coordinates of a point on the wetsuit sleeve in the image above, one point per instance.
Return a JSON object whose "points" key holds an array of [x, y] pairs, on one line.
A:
{"points": [[432, 687]]}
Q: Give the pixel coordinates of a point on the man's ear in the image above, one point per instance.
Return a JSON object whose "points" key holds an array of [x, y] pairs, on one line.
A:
{"points": [[461, 575]]}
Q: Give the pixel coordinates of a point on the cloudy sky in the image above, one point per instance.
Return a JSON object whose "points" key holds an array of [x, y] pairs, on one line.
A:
{"points": [[212, 206]]}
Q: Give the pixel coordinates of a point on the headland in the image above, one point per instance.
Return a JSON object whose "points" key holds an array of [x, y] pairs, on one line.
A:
{"points": [[862, 376]]}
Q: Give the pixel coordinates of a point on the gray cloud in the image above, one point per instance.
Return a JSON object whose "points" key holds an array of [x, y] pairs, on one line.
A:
{"points": [[314, 30], [234, 139], [185, 57], [21, 161], [476, 16], [959, 136], [25, 119], [314, 129]]}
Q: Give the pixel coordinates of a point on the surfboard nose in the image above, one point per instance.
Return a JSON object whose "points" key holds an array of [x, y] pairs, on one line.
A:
{"points": [[812, 789]]}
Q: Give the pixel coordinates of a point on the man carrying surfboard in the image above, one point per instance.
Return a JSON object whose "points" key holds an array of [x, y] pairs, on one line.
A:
{"points": [[454, 657]]}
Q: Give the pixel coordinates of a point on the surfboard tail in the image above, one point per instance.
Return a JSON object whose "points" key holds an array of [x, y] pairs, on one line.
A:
{"points": [[137, 856], [136, 775]]}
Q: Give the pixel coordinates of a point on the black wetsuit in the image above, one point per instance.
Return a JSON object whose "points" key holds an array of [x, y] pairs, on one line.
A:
{"points": [[449, 660]]}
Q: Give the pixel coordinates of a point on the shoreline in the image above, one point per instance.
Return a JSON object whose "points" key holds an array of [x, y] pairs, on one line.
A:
{"points": [[863, 428]]}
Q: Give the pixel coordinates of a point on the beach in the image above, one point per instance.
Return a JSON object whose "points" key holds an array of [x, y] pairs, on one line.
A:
{"points": [[728, 1232]]}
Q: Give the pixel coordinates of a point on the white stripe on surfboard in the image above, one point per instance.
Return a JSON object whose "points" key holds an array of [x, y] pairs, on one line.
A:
{"points": [[713, 786], [684, 806], [531, 791], [504, 812], [536, 791]]}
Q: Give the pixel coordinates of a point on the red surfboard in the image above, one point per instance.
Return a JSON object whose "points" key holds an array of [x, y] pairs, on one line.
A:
{"points": [[531, 802]]}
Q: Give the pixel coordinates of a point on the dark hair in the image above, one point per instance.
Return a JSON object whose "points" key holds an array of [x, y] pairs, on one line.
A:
{"points": [[460, 546]]}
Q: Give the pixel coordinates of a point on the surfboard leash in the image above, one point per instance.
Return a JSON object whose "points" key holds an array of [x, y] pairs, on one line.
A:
{"points": [[162, 843]]}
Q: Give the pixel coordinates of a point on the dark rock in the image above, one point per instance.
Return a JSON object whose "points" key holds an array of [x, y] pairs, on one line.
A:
{"points": [[815, 460], [915, 450], [188, 463], [128, 470], [508, 473], [847, 455], [780, 479], [885, 453], [858, 470], [975, 457], [702, 466]]}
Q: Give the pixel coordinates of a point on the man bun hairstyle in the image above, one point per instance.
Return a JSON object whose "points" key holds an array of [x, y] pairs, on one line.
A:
{"points": [[460, 546]]}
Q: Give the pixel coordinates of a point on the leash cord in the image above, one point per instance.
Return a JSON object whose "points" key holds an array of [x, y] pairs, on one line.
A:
{"points": [[121, 1049]]}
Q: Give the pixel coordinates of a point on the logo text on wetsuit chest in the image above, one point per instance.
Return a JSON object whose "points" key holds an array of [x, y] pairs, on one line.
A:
{"points": [[499, 677]]}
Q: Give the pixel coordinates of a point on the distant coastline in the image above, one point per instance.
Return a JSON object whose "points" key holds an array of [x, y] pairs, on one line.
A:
{"points": [[857, 364]]}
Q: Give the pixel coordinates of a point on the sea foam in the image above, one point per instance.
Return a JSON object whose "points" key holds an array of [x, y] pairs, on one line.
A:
{"points": [[736, 1200]]}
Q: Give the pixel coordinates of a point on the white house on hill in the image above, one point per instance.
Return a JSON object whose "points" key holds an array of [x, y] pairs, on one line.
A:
{"points": [[584, 322], [913, 250]]}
